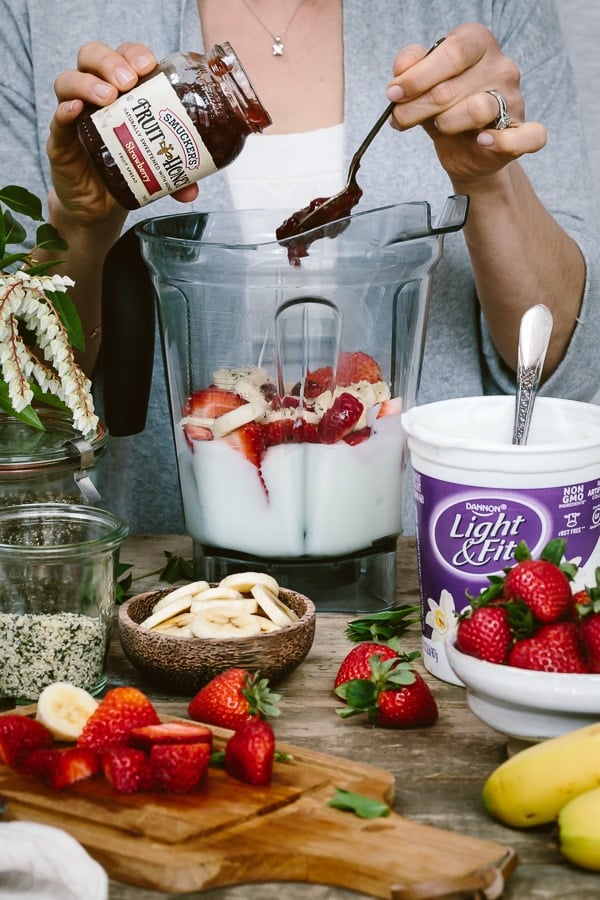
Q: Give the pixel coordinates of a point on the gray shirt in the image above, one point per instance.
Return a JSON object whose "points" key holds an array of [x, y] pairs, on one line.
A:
{"points": [[37, 40]]}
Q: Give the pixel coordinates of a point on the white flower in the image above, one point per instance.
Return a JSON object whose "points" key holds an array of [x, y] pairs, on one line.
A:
{"points": [[23, 299], [440, 617]]}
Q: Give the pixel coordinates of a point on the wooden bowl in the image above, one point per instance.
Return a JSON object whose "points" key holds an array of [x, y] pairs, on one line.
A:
{"points": [[185, 664]]}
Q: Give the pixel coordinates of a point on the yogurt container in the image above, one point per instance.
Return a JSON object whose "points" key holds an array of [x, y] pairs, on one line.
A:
{"points": [[477, 496]]}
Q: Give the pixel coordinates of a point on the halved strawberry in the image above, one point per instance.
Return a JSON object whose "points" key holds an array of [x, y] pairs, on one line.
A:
{"points": [[170, 733], [179, 768], [339, 420], [19, 735], [249, 440], [211, 402], [121, 710], [357, 366], [250, 751], [391, 407], [279, 431], [127, 769], [60, 768]]}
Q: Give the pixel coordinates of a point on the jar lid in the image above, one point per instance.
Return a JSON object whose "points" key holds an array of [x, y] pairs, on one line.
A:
{"points": [[25, 449]]}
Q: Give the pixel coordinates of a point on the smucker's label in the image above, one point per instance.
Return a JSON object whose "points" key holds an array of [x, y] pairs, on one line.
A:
{"points": [[465, 534]]}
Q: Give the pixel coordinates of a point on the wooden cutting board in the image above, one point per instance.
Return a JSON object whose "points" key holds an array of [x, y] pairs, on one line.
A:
{"points": [[230, 833]]}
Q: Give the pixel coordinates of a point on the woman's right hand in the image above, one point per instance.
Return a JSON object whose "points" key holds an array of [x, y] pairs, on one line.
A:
{"points": [[101, 75]]}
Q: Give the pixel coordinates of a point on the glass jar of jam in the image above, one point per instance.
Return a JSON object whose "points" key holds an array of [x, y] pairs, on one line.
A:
{"points": [[182, 122]]}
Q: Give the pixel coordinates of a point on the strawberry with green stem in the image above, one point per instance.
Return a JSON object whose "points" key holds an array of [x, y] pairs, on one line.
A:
{"points": [[233, 698], [587, 607], [395, 695]]}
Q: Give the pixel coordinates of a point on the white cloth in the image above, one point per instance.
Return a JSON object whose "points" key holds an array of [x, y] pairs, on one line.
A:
{"points": [[38, 862]]}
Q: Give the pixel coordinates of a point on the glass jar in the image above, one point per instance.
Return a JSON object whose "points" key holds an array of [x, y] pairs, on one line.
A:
{"points": [[184, 121], [50, 465], [58, 573]]}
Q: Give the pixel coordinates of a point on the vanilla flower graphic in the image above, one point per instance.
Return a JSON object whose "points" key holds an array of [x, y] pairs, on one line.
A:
{"points": [[39, 326], [441, 615]]}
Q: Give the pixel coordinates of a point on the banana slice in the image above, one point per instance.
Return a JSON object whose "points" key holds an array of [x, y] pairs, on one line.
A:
{"points": [[237, 417], [191, 589], [245, 581], [217, 593], [64, 709], [236, 606], [272, 606], [182, 604], [212, 624]]}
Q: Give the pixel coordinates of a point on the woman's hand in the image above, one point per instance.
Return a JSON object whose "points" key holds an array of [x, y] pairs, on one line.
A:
{"points": [[447, 93], [101, 74]]}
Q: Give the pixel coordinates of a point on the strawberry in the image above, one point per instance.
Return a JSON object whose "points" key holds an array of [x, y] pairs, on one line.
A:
{"points": [[357, 437], [127, 769], [19, 735], [555, 647], [544, 584], [339, 420], [318, 382], [357, 366], [122, 709], [249, 753], [391, 407], [586, 603], [356, 663], [179, 768], [170, 733], [233, 698], [212, 402], [249, 440], [60, 768], [485, 633], [279, 431], [394, 696]]}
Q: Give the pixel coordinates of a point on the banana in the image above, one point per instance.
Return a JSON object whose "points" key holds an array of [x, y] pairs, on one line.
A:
{"points": [[233, 607], [64, 709], [532, 786], [245, 581], [191, 590], [579, 830], [272, 606], [212, 624], [158, 616], [237, 417]]}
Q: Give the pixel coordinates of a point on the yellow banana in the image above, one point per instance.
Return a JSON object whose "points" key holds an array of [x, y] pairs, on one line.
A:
{"points": [[579, 830], [532, 787]]}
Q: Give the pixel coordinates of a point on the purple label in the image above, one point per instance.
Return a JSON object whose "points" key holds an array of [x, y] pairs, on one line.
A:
{"points": [[465, 534]]}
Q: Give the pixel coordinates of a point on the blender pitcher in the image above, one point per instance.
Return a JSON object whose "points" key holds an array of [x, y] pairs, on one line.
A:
{"points": [[287, 376]]}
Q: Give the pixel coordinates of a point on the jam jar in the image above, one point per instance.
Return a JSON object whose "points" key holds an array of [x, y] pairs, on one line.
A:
{"points": [[182, 122], [50, 465]]}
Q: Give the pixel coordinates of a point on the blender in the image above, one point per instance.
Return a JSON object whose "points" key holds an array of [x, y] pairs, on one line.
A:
{"points": [[287, 376]]}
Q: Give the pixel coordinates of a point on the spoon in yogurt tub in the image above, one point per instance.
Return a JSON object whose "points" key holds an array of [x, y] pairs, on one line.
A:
{"points": [[534, 337], [324, 210]]}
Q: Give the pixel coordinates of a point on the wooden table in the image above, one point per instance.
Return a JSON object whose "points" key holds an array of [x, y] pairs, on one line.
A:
{"points": [[439, 771]]}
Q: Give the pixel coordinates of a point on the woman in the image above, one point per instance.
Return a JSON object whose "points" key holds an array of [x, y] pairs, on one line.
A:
{"points": [[322, 71]]}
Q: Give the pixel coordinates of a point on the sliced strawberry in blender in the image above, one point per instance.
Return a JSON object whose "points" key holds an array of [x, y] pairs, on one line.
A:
{"points": [[211, 402], [340, 418], [318, 381], [279, 431], [249, 440], [357, 366], [358, 436]]}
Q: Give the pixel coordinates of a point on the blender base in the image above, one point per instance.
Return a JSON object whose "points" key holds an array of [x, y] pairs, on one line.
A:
{"points": [[358, 583]]}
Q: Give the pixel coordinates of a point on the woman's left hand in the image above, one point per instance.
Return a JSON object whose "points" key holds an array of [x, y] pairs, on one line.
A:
{"points": [[448, 94]]}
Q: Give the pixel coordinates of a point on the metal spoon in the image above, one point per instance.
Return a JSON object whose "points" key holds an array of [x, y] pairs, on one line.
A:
{"points": [[534, 337], [322, 211]]}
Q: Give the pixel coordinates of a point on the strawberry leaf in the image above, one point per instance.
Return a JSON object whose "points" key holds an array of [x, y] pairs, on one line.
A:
{"points": [[359, 804], [554, 551], [383, 626]]}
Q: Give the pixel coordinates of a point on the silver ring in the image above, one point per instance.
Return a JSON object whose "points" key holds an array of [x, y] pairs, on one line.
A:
{"points": [[503, 118]]}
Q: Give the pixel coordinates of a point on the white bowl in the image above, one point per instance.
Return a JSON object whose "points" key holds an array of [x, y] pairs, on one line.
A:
{"points": [[523, 703]]}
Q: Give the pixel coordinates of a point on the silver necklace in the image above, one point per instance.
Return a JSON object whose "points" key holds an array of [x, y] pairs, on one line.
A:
{"points": [[277, 46]]}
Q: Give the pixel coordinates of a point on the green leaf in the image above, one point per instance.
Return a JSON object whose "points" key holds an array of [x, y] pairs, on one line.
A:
{"points": [[176, 569], [554, 551], [359, 804], [14, 232], [27, 415], [217, 759], [359, 693], [124, 581], [20, 200], [383, 626], [48, 238], [68, 315]]}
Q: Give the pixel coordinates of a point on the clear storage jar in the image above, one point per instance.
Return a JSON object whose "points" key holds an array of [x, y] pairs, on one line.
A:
{"points": [[58, 573], [48, 466]]}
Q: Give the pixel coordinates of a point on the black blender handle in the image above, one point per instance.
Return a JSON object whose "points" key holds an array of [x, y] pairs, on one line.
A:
{"points": [[128, 328]]}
